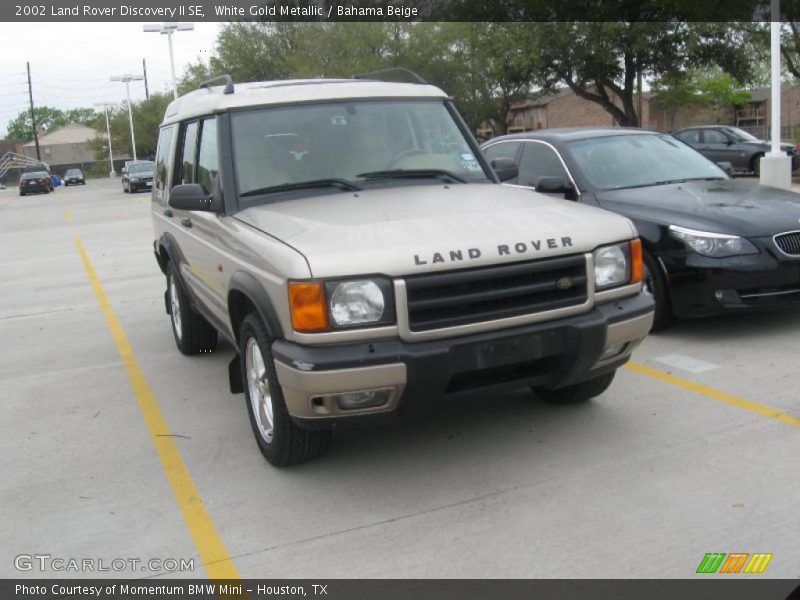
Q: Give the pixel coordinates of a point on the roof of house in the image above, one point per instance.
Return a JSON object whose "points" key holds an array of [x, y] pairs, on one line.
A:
{"points": [[68, 134], [542, 98]]}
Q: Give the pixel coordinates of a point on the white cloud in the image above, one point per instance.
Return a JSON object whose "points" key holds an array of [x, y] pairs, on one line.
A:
{"points": [[71, 63]]}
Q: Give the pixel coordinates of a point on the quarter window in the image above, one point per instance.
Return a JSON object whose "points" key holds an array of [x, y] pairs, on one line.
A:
{"points": [[162, 157], [502, 150], [690, 137]]}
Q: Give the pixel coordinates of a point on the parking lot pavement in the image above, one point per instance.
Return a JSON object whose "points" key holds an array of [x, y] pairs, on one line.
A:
{"points": [[692, 450]]}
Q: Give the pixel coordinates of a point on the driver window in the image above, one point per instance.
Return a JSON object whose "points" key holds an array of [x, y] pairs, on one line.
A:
{"points": [[712, 136], [538, 161]]}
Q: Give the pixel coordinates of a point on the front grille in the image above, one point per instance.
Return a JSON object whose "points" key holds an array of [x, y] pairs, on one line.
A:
{"points": [[788, 243], [484, 294]]}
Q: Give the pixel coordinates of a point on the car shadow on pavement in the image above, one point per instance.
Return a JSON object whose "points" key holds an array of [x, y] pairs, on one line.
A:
{"points": [[735, 326]]}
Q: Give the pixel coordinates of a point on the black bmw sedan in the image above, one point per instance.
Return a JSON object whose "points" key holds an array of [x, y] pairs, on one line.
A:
{"points": [[712, 244]]}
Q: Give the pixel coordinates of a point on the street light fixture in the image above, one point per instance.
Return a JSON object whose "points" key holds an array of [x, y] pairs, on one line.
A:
{"points": [[127, 78], [105, 106], [168, 29]]}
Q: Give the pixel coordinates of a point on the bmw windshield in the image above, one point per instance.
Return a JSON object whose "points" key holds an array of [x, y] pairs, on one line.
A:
{"points": [[348, 145], [627, 161]]}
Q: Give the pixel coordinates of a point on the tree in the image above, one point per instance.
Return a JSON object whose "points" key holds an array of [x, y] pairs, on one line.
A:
{"points": [[602, 62], [48, 118], [147, 115]]}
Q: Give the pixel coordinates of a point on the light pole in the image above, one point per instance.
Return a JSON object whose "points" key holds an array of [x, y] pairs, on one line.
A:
{"points": [[168, 29], [105, 106], [127, 78]]}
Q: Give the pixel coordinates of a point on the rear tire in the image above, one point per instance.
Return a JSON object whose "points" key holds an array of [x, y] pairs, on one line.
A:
{"points": [[575, 394], [193, 334], [656, 286], [279, 439]]}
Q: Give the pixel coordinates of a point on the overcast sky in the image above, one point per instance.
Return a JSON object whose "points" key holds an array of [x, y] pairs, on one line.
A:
{"points": [[71, 63]]}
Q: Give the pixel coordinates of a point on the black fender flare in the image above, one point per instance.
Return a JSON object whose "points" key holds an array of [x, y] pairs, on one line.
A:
{"points": [[248, 285]]}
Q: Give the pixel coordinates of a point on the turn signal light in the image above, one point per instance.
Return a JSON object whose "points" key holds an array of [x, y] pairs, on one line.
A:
{"points": [[307, 306], [637, 266]]}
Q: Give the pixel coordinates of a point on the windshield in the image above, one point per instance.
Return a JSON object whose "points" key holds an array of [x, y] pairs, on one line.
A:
{"points": [[35, 175], [740, 135], [141, 168], [623, 161], [350, 142], [73, 172]]}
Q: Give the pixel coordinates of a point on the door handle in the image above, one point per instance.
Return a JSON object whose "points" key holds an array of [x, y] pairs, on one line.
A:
{"points": [[186, 222], [167, 212]]}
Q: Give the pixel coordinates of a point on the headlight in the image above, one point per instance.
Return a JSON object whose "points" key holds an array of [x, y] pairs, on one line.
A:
{"points": [[612, 265], [134, 179], [715, 245], [355, 302]]}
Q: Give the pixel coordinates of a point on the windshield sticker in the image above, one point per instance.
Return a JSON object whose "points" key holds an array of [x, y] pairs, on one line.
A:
{"points": [[469, 162]]}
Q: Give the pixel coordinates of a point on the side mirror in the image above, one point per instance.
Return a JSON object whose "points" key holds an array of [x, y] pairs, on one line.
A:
{"points": [[505, 168], [726, 166], [191, 196], [556, 185], [552, 185]]}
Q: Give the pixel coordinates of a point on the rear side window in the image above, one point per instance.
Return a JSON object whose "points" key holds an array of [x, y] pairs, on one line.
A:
{"points": [[690, 137], [207, 157], [162, 157], [188, 159], [502, 150], [712, 136]]}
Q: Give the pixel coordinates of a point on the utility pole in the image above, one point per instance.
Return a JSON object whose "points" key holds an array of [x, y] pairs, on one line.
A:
{"points": [[33, 116], [105, 106], [127, 78], [144, 72]]}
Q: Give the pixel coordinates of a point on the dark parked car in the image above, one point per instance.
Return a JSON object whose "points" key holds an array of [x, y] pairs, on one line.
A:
{"points": [[35, 182], [138, 176], [712, 244], [74, 177], [730, 144]]}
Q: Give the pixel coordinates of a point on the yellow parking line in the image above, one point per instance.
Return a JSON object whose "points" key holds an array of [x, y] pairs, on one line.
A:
{"points": [[214, 556], [699, 388], [67, 214]]}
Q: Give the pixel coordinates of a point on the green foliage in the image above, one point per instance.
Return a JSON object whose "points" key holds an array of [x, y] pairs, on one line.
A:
{"points": [[47, 119], [147, 115], [602, 62]]}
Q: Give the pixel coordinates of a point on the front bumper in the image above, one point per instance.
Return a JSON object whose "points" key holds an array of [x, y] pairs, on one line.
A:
{"points": [[419, 375], [701, 286]]}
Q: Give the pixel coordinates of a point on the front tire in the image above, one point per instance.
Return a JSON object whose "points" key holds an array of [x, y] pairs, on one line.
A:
{"points": [[755, 165], [575, 394], [280, 440], [193, 334], [656, 285]]}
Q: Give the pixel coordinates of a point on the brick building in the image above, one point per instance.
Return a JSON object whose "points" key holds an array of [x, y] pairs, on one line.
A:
{"points": [[564, 108]]}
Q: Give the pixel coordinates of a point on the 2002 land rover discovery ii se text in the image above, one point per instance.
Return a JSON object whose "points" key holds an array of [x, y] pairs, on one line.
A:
{"points": [[351, 242]]}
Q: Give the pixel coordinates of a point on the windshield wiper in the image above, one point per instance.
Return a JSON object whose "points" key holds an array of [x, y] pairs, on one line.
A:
{"points": [[412, 174], [303, 185], [668, 182]]}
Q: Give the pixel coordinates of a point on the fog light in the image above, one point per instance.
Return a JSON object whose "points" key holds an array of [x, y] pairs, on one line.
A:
{"points": [[727, 297], [363, 399], [612, 351]]}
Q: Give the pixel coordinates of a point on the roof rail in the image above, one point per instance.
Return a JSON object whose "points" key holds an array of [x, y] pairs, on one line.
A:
{"points": [[416, 78], [226, 78]]}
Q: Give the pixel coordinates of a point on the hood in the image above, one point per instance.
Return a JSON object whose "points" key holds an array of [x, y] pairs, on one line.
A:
{"points": [[766, 145], [418, 229], [734, 206]]}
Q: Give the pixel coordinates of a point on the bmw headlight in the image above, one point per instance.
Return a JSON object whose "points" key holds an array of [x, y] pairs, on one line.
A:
{"points": [[714, 245], [361, 302], [612, 265]]}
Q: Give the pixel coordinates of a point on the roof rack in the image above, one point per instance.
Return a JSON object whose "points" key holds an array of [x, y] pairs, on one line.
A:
{"points": [[416, 78], [219, 78]]}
